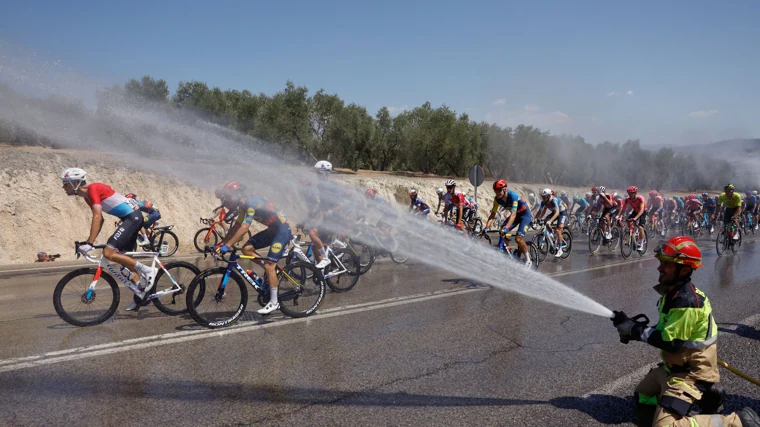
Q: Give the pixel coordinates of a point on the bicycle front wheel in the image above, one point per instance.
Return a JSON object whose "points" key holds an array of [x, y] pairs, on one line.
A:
{"points": [[165, 243], [213, 305], [626, 244], [567, 242], [542, 245], [737, 243], [344, 270], [300, 289], [205, 237], [365, 254], [74, 302], [173, 302], [595, 240]]}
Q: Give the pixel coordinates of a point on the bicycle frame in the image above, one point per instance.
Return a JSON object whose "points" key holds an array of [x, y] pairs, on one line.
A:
{"points": [[233, 265], [116, 274], [296, 241]]}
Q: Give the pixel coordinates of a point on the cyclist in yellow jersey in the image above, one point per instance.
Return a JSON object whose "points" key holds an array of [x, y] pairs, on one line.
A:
{"points": [[730, 201]]}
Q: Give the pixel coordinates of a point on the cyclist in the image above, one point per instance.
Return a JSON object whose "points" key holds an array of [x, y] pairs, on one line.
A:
{"points": [[418, 205], [566, 200], [730, 202], [558, 211], [638, 212], [750, 205], [153, 216], [533, 203], [441, 195], [692, 207], [330, 200], [225, 217], [455, 201], [276, 235], [582, 204], [710, 206], [681, 391], [609, 209], [679, 208], [102, 198], [520, 215]]}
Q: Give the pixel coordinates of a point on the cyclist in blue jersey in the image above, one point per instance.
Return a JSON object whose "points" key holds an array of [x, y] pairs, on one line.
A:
{"points": [[557, 211], [710, 207], [417, 205], [153, 216], [276, 236], [520, 216], [679, 207], [566, 200], [582, 205], [750, 205]]}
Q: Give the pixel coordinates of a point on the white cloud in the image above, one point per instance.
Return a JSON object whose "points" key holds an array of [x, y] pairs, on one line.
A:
{"points": [[629, 93], [396, 110], [500, 101], [704, 113], [613, 93], [529, 114]]}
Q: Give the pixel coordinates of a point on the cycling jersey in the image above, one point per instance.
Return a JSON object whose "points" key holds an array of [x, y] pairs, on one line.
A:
{"points": [[330, 195], [679, 203], [654, 202], [582, 204], [566, 200], [607, 200], [730, 202], [457, 199], [513, 202], [257, 209], [112, 203], [418, 203], [751, 201], [146, 206], [637, 204], [693, 205], [709, 203], [554, 204], [670, 204]]}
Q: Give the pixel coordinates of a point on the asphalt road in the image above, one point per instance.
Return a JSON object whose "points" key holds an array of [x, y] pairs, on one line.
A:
{"points": [[410, 345]]}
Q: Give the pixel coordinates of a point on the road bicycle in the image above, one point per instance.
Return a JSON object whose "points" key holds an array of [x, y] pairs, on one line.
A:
{"points": [[691, 227], [748, 223], [503, 247], [546, 241], [597, 238], [632, 239], [656, 225], [729, 238], [221, 294], [575, 224], [89, 296], [344, 270], [160, 240], [211, 235]]}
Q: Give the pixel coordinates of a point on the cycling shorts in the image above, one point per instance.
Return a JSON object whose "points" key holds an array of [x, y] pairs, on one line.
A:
{"points": [[522, 221], [151, 219], [642, 221], [613, 210], [728, 214], [125, 236], [276, 237], [562, 218]]}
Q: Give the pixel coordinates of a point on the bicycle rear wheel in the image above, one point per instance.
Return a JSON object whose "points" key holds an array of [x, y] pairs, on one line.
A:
{"points": [[344, 270], [183, 273], [205, 237], [737, 243], [165, 243], [79, 307], [209, 304], [613, 243], [567, 242], [300, 289]]}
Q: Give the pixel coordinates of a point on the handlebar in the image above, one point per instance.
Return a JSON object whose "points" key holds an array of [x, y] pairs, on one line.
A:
{"points": [[87, 255], [206, 221]]}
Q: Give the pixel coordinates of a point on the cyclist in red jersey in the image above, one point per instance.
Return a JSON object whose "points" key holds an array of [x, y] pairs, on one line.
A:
{"points": [[609, 209], [693, 207], [639, 209], [102, 198]]}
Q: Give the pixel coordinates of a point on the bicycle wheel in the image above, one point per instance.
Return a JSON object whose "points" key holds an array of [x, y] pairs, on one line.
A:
{"points": [[746, 226], [626, 244], [365, 253], [182, 273], [398, 258], [344, 270], [477, 227], [205, 237], [209, 304], [485, 238], [165, 243], [595, 240], [613, 243], [72, 303], [541, 243], [721, 242], [300, 296], [737, 243], [574, 228], [533, 255], [567, 241]]}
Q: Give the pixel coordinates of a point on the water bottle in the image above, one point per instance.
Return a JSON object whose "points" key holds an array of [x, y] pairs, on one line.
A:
{"points": [[126, 272], [254, 276]]}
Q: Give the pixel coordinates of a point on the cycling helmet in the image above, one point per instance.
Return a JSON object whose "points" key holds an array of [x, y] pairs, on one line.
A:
{"points": [[681, 250], [370, 193], [705, 195], [554, 193], [589, 194], [692, 196], [602, 189], [632, 189], [531, 195], [323, 166], [576, 199], [413, 193], [74, 176], [729, 187], [499, 185], [231, 187], [564, 193], [546, 192], [131, 196], [594, 189], [754, 193], [439, 191], [615, 195], [451, 183], [748, 193]]}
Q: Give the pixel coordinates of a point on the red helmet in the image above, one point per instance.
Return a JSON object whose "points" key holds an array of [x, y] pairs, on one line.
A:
{"points": [[499, 185], [594, 189], [131, 196], [692, 196], [652, 193], [681, 250], [231, 187], [633, 189], [370, 192]]}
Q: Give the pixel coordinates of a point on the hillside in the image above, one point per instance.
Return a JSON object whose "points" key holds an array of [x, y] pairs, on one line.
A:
{"points": [[36, 215]]}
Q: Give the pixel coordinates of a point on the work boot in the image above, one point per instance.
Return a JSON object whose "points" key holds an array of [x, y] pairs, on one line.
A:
{"points": [[748, 417]]}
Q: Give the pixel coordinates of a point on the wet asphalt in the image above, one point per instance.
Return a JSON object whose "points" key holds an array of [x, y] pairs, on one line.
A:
{"points": [[409, 345]]}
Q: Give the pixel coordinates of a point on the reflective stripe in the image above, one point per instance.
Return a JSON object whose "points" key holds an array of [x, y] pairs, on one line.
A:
{"points": [[647, 400], [700, 344], [709, 326], [693, 422], [717, 420], [647, 332]]}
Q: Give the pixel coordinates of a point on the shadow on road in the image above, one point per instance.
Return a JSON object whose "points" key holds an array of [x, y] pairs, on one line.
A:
{"points": [[743, 331]]}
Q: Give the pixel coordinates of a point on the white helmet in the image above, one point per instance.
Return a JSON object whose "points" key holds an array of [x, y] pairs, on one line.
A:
{"points": [[323, 166], [74, 176], [451, 183], [589, 194], [439, 190], [754, 193], [602, 189], [531, 195], [546, 192], [615, 194]]}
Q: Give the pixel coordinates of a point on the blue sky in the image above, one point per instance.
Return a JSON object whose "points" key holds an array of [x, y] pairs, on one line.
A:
{"points": [[663, 72]]}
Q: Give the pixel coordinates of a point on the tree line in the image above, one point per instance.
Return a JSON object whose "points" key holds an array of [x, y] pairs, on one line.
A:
{"points": [[306, 127]]}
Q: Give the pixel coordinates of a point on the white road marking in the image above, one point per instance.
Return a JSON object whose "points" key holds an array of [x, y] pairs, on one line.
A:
{"points": [[14, 364], [629, 380]]}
